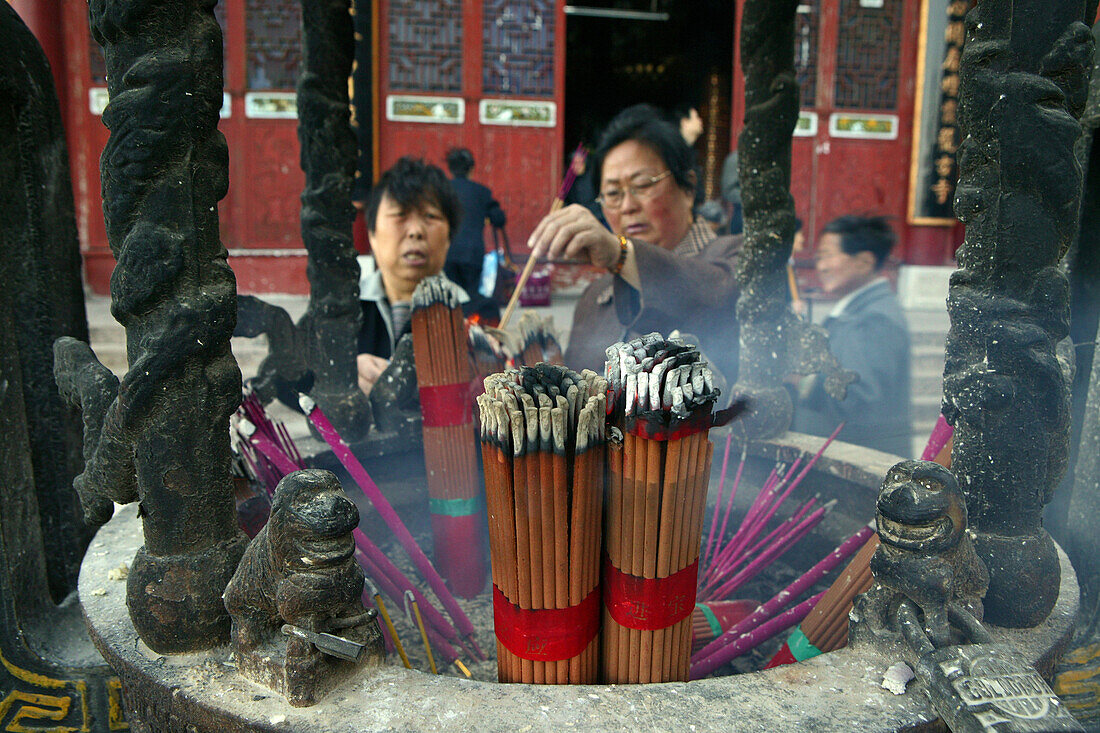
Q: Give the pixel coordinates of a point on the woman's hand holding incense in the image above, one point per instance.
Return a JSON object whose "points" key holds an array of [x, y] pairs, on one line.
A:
{"points": [[574, 233], [370, 367]]}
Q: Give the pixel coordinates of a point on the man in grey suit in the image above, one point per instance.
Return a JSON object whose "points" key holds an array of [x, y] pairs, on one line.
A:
{"points": [[868, 334]]}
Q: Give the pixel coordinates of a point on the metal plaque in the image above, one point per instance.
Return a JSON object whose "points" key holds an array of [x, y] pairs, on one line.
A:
{"points": [[991, 688]]}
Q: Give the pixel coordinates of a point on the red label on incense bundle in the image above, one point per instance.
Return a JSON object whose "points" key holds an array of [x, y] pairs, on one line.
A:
{"points": [[445, 405], [649, 604], [546, 635], [652, 429]]}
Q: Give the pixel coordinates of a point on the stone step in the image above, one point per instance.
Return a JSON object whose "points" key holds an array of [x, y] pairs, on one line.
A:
{"points": [[935, 339], [927, 382], [925, 360], [248, 352]]}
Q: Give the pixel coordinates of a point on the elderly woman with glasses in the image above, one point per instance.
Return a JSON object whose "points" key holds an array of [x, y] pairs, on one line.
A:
{"points": [[667, 269]]}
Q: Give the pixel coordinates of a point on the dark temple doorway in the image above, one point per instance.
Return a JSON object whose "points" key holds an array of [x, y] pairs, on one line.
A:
{"points": [[665, 52]]}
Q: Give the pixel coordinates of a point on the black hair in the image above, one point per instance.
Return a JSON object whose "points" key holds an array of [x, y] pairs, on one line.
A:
{"points": [[863, 234], [643, 124], [411, 183], [460, 161]]}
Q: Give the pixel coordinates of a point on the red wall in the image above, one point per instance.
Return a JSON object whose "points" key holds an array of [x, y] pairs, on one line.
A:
{"points": [[831, 176]]}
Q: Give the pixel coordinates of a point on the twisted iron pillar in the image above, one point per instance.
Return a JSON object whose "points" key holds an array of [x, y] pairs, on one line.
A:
{"points": [[1023, 82], [163, 437], [764, 149], [328, 157]]}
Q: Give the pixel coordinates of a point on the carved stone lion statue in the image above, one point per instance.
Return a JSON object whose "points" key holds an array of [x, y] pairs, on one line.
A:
{"points": [[925, 554], [299, 570]]}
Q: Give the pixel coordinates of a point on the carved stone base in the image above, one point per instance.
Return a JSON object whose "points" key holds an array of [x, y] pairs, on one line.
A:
{"points": [[1023, 578], [297, 671], [176, 602]]}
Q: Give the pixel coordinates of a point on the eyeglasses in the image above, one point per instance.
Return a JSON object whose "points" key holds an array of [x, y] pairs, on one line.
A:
{"points": [[641, 189]]}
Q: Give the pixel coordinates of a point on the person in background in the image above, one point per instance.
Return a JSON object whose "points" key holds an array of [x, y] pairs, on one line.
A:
{"points": [[731, 192], [714, 215], [868, 334], [410, 215], [666, 269], [476, 204], [583, 190], [690, 123], [686, 117]]}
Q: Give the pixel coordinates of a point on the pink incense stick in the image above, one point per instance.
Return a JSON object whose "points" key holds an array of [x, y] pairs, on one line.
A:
{"points": [[753, 527], [941, 433], [401, 582], [390, 517], [785, 596], [733, 492], [750, 527], [755, 637], [366, 547], [398, 597], [747, 530], [772, 553], [718, 499], [570, 174], [743, 557], [268, 448]]}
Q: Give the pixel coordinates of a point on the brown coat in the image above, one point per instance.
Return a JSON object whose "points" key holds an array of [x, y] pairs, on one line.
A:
{"points": [[696, 294]]}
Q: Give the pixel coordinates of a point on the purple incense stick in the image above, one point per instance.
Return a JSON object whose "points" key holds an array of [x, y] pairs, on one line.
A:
{"points": [[792, 591], [390, 517], [755, 637], [269, 450], [397, 597], [733, 492], [742, 557]]}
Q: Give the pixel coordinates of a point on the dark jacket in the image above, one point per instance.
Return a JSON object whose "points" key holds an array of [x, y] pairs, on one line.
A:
{"points": [[696, 294], [871, 338], [375, 335], [477, 204]]}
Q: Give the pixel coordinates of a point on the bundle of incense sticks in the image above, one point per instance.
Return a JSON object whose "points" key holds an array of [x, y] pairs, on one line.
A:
{"points": [[538, 340], [543, 434], [487, 354], [450, 453], [710, 619], [746, 554], [825, 629], [769, 618], [662, 397]]}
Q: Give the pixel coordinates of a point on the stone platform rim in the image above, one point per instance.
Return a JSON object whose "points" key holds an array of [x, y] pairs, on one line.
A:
{"points": [[393, 698]]}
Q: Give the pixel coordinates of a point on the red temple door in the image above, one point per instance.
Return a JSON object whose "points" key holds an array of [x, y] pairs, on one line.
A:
{"points": [[487, 75], [260, 215], [854, 61]]}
